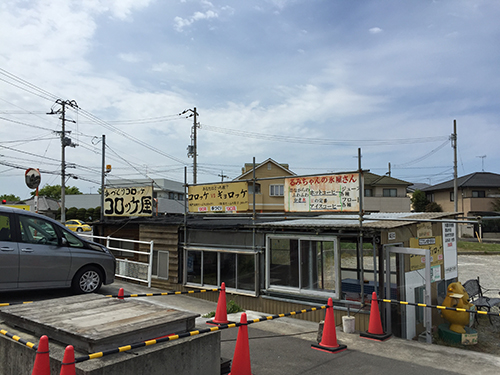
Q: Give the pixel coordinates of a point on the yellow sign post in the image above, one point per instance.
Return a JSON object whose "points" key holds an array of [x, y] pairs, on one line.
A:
{"points": [[215, 198], [129, 201]]}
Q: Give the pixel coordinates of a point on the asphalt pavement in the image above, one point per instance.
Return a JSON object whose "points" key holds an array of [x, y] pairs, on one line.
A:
{"points": [[283, 346]]}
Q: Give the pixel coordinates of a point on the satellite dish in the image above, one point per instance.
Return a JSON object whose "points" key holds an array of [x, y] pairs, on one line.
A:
{"points": [[33, 178]]}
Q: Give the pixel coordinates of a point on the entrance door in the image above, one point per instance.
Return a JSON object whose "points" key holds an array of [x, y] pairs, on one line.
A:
{"points": [[410, 287]]}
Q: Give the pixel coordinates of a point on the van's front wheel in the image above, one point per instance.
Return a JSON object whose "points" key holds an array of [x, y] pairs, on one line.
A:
{"points": [[87, 280]]}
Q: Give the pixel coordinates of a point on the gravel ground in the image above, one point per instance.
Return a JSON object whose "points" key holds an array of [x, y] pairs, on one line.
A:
{"points": [[487, 267]]}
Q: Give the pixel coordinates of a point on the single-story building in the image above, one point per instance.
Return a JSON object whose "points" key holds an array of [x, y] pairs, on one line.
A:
{"points": [[278, 264]]}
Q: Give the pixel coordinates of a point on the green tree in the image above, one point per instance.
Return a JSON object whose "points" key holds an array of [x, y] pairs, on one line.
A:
{"points": [[72, 213], [81, 214], [54, 191], [433, 207], [496, 204], [90, 214], [419, 201], [10, 197]]}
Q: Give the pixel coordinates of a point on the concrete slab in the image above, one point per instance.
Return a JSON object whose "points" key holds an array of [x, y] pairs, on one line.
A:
{"points": [[196, 355], [94, 323]]}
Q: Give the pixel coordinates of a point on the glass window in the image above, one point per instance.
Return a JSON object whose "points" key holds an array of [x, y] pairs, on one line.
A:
{"points": [[5, 231], [390, 192], [303, 264], [284, 262], [211, 268], [276, 190], [250, 188], [452, 196], [73, 241], [317, 265], [246, 272], [36, 230], [193, 266], [368, 193], [478, 194], [228, 269]]}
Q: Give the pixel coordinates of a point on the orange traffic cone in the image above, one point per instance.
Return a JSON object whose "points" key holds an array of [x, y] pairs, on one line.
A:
{"points": [[221, 312], [121, 293], [375, 330], [329, 338], [42, 359], [241, 358], [68, 363]]}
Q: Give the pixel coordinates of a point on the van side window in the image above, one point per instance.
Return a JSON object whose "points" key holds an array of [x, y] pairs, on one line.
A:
{"points": [[73, 241], [5, 232], [35, 230]]}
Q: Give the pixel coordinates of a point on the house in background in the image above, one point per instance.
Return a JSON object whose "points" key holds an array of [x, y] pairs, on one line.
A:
{"points": [[46, 206], [382, 193], [385, 194], [476, 194], [270, 187]]}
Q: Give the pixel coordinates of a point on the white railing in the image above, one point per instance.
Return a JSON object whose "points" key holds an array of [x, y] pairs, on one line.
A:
{"points": [[130, 269]]}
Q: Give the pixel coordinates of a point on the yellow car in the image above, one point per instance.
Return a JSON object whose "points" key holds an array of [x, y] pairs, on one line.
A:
{"points": [[78, 226]]}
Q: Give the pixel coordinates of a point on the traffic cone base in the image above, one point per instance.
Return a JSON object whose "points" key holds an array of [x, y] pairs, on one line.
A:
{"points": [[375, 337], [214, 323], [338, 349]]}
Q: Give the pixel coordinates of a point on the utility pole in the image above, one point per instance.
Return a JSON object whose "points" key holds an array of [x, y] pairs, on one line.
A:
{"points": [[193, 148], [65, 141], [103, 173], [455, 173], [222, 175]]}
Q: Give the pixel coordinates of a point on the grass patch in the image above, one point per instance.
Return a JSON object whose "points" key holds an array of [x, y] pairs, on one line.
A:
{"points": [[231, 308], [479, 247]]}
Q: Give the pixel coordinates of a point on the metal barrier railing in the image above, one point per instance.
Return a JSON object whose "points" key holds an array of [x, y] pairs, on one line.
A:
{"points": [[130, 269]]}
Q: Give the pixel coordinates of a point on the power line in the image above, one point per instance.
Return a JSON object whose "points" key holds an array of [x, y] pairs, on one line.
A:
{"points": [[321, 141], [422, 157]]}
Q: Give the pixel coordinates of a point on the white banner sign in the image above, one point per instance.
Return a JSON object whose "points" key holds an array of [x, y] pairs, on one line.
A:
{"points": [[335, 193], [450, 250]]}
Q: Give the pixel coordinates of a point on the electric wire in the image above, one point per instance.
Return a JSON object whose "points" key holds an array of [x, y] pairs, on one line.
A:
{"points": [[321, 141]]}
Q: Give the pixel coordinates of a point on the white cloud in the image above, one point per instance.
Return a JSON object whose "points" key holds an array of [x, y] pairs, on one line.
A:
{"points": [[375, 30], [180, 23], [169, 68], [121, 9], [130, 57]]}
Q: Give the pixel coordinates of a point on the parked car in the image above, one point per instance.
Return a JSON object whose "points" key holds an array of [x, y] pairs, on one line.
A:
{"points": [[37, 252], [78, 226]]}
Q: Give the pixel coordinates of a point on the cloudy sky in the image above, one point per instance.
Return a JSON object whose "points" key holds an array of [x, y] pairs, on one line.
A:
{"points": [[304, 82]]}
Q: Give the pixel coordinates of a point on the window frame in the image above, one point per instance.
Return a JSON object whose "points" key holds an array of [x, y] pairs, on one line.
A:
{"points": [[299, 290], [281, 190], [219, 251], [390, 191], [478, 194]]}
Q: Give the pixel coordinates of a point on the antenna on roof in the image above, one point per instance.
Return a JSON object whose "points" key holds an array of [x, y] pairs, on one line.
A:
{"points": [[482, 161]]}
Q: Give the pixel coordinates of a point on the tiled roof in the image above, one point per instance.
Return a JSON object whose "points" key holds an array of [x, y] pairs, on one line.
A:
{"points": [[477, 179]]}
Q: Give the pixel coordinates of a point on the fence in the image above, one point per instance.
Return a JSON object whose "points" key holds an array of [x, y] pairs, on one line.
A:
{"points": [[127, 268]]}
